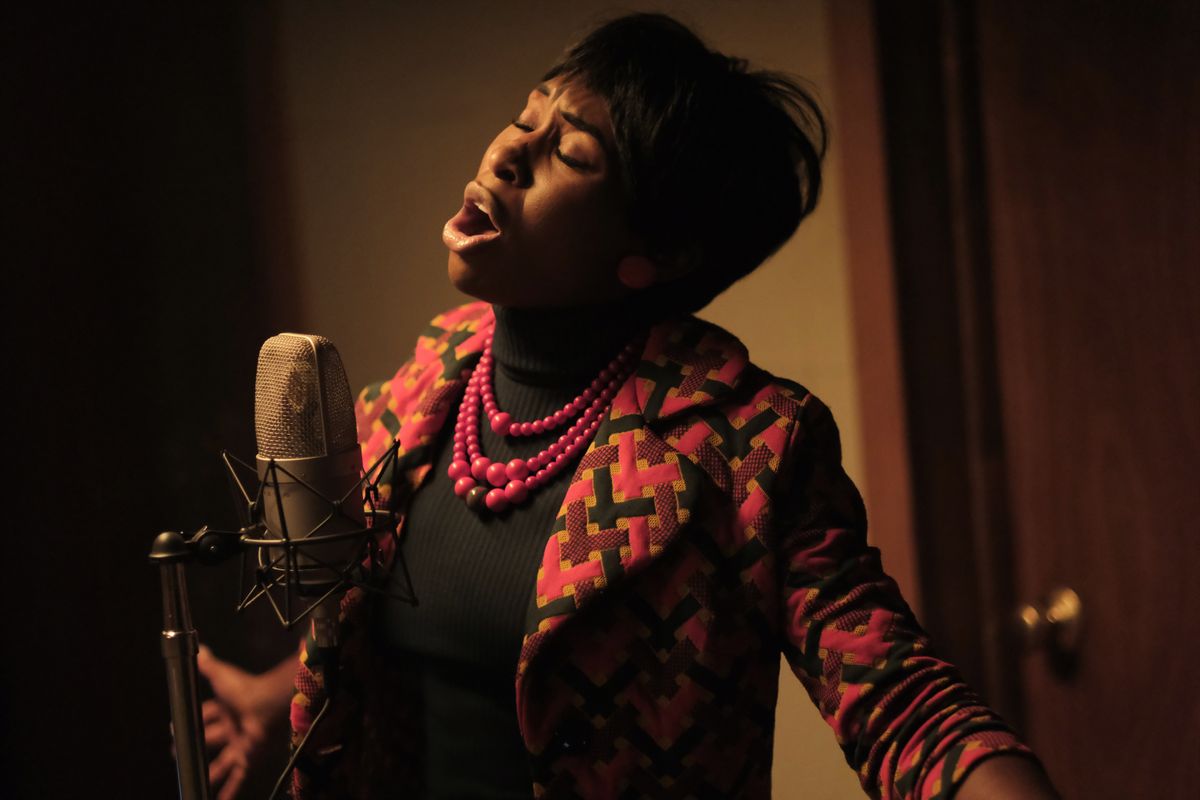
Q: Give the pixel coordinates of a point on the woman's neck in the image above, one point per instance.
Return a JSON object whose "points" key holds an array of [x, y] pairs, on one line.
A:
{"points": [[562, 346]]}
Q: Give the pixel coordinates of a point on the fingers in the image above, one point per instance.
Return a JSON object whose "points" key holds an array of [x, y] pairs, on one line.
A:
{"points": [[214, 669], [220, 727], [226, 762], [212, 710], [219, 734], [233, 784], [228, 682]]}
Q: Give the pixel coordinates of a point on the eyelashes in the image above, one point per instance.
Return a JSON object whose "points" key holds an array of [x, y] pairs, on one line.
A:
{"points": [[563, 157]]}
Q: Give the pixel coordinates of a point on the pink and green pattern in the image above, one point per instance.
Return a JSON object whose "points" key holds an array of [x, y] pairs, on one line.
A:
{"points": [[708, 526]]}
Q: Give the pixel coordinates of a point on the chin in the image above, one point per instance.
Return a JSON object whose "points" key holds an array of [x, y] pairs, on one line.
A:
{"points": [[470, 280], [496, 281]]}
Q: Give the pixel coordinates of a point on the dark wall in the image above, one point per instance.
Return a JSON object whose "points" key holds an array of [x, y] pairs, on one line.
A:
{"points": [[134, 310]]}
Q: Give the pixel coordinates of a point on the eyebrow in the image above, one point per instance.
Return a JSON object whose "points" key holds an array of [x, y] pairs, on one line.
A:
{"points": [[577, 121]]}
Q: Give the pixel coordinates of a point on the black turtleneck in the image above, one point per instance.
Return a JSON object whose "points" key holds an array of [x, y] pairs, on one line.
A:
{"points": [[474, 575]]}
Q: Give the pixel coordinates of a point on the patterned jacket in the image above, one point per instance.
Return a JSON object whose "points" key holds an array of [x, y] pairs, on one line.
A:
{"points": [[708, 527]]}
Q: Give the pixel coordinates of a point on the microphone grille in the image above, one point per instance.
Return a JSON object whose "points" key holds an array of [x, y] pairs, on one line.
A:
{"points": [[302, 402]]}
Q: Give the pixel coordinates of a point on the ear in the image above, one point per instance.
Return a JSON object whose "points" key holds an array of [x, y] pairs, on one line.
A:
{"points": [[637, 272]]}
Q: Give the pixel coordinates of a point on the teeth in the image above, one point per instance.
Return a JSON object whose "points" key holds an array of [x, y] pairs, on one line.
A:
{"points": [[484, 210]]}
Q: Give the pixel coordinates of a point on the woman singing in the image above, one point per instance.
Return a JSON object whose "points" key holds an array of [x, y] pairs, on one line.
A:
{"points": [[615, 521]]}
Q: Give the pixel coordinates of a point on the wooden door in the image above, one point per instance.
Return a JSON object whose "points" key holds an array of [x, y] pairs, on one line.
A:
{"points": [[1091, 132], [1044, 171]]}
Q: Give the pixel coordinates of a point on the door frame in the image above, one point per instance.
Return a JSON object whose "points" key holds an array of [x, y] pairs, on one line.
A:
{"points": [[938, 434]]}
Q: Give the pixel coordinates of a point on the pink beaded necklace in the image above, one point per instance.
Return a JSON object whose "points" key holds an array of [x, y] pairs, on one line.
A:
{"points": [[511, 484]]}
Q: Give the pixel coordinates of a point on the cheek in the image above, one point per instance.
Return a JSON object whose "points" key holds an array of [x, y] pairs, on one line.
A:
{"points": [[576, 236], [579, 221]]}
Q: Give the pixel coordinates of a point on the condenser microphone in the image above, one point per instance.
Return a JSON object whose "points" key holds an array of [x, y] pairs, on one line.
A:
{"points": [[310, 467]]}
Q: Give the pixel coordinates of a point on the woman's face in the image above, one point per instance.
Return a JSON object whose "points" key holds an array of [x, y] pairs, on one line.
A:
{"points": [[543, 224]]}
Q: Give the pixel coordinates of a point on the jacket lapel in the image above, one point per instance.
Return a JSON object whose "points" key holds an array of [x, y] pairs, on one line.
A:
{"points": [[632, 492], [412, 408]]}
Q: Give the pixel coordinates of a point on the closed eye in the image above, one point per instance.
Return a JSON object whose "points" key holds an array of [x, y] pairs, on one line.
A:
{"points": [[570, 162], [566, 159]]}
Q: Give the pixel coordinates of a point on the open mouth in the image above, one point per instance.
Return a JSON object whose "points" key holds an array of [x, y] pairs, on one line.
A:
{"points": [[473, 225], [475, 221]]}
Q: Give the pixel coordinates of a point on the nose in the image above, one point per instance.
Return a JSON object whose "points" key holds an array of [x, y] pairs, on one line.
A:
{"points": [[509, 161]]}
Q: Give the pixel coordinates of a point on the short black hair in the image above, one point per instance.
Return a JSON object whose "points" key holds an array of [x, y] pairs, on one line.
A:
{"points": [[719, 163]]}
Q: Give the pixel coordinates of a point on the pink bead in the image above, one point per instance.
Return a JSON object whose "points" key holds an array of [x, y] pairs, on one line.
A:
{"points": [[479, 467], [496, 500], [516, 492], [517, 469], [582, 417], [496, 474]]}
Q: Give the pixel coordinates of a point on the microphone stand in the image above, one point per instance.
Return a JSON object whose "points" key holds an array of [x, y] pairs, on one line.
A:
{"points": [[180, 642], [179, 648]]}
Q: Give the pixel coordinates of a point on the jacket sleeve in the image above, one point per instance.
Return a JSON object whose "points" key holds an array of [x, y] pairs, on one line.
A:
{"points": [[904, 719]]}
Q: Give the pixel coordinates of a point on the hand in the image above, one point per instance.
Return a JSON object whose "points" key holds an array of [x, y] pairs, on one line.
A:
{"points": [[238, 722]]}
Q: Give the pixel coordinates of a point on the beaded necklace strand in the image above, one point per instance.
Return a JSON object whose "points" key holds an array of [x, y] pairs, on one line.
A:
{"points": [[483, 483]]}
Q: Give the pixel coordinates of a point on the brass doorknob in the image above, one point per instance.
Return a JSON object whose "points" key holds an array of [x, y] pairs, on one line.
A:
{"points": [[1055, 623]]}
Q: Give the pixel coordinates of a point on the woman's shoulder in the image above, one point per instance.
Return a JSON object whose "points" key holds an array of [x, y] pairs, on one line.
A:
{"points": [[464, 316], [443, 346], [712, 365], [448, 338]]}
